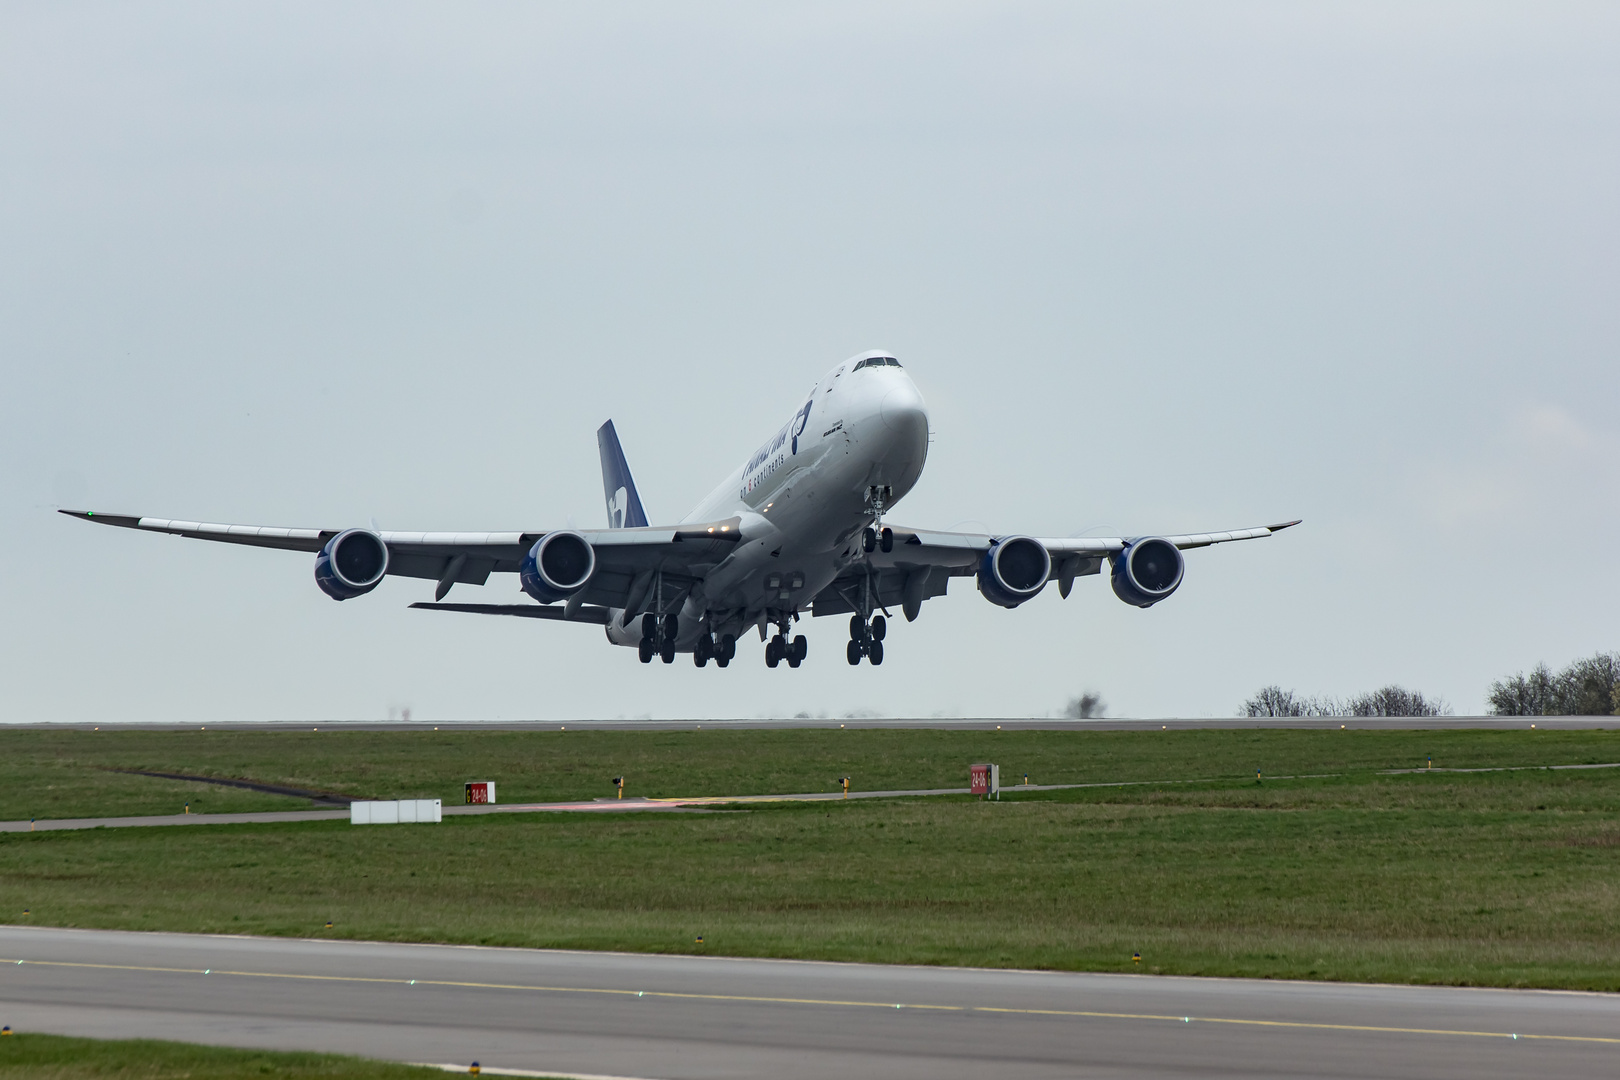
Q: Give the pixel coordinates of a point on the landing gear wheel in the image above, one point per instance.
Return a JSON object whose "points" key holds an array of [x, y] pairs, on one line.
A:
{"points": [[773, 651], [672, 627], [869, 540], [703, 650], [880, 627], [801, 648], [646, 650], [886, 539], [854, 653], [667, 651], [875, 652], [649, 626], [857, 628], [728, 649]]}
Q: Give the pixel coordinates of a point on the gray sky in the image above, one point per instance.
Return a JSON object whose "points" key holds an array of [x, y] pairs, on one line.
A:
{"points": [[1155, 268]]}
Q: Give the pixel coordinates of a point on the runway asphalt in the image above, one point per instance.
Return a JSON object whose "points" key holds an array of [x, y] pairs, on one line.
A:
{"points": [[925, 723], [701, 1018]]}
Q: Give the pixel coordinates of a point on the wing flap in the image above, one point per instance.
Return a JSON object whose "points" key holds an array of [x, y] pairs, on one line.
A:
{"points": [[583, 614]]}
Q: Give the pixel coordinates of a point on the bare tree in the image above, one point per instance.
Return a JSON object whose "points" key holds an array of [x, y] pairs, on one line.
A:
{"points": [[1390, 701], [1589, 687], [1394, 700], [1524, 695], [1088, 706], [1273, 700]]}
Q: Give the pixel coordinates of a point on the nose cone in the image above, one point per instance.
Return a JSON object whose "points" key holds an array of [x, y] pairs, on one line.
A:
{"points": [[904, 413]]}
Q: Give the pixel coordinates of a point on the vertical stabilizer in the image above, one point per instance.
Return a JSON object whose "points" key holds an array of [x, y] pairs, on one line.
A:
{"points": [[623, 504]]}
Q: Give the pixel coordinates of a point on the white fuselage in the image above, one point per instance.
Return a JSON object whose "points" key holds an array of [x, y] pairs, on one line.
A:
{"points": [[804, 497]]}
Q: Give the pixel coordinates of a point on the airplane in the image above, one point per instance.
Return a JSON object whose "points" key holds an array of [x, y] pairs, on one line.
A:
{"points": [[801, 526]]}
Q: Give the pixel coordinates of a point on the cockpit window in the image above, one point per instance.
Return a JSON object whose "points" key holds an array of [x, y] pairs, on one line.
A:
{"points": [[876, 361], [891, 361]]}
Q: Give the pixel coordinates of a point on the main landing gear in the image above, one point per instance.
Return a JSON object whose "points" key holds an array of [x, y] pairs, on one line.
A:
{"points": [[658, 637], [779, 648], [866, 640], [720, 651]]}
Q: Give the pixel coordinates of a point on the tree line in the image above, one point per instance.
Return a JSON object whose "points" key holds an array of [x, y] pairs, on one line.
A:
{"points": [[1589, 687], [1387, 701]]}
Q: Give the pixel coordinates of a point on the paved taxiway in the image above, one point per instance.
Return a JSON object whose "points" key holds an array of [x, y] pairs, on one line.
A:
{"points": [[713, 1018]]}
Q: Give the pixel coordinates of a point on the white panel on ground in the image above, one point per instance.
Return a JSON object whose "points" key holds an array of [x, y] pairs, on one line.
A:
{"points": [[396, 811]]}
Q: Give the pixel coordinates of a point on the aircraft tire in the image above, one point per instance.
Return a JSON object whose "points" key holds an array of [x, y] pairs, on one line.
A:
{"points": [[801, 648], [646, 650], [857, 628], [875, 652], [667, 653], [853, 653], [886, 539], [649, 625], [869, 540], [880, 627], [728, 647]]}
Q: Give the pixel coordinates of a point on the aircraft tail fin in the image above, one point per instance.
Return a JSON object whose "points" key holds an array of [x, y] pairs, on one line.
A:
{"points": [[623, 504]]}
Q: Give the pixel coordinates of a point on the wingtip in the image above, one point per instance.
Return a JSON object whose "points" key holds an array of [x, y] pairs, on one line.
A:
{"points": [[1285, 525]]}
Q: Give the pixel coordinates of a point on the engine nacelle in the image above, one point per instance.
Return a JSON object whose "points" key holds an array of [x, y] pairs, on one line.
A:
{"points": [[351, 564], [1147, 571], [1014, 571], [557, 567]]}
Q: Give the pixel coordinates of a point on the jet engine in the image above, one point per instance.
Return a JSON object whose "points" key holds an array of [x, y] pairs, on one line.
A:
{"points": [[1014, 570], [557, 567], [1147, 571], [351, 564]]}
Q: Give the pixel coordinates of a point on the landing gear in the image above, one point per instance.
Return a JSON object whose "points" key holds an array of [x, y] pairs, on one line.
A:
{"points": [[724, 650], [866, 640], [658, 638], [877, 539], [779, 648], [876, 536]]}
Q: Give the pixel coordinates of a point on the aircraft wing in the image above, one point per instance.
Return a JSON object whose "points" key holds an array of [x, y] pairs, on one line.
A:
{"points": [[923, 561], [628, 561]]}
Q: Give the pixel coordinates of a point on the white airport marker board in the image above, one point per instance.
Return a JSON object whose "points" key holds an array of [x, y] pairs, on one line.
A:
{"points": [[396, 812]]}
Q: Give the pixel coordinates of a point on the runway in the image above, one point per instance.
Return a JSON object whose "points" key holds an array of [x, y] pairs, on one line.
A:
{"points": [[702, 1018], [923, 723]]}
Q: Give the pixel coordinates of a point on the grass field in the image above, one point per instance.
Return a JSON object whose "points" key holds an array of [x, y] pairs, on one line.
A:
{"points": [[69, 773], [1492, 878], [56, 1057]]}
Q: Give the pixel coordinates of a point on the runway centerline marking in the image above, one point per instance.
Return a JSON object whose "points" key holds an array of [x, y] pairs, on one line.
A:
{"points": [[763, 1000]]}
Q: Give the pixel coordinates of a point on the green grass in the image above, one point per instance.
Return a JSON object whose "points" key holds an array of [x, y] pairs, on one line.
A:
{"points": [[66, 773], [1502, 879], [57, 1057]]}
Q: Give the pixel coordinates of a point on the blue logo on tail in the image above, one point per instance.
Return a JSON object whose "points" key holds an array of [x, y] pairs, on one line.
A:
{"points": [[623, 504]]}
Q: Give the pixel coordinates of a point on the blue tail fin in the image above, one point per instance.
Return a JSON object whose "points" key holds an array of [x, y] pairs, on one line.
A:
{"points": [[623, 504]]}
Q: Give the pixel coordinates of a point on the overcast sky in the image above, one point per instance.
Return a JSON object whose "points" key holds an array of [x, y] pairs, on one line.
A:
{"points": [[1156, 268]]}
